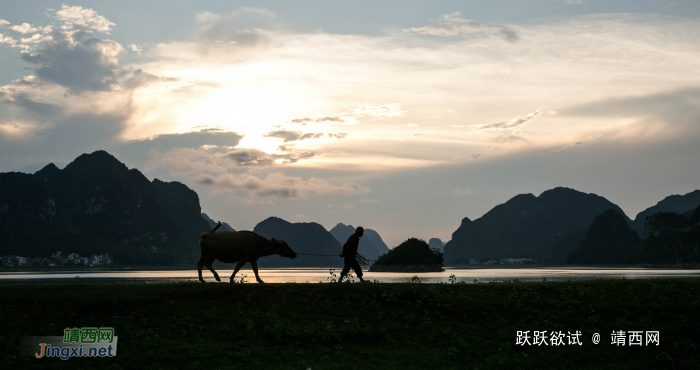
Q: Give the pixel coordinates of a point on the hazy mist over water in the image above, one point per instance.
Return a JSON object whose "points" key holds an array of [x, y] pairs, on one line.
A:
{"points": [[322, 275]]}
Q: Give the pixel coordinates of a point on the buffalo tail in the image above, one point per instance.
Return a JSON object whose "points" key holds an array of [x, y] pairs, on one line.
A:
{"points": [[212, 230]]}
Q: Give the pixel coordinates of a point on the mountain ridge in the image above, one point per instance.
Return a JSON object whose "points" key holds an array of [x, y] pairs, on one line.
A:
{"points": [[526, 226], [609, 239], [212, 223], [96, 204], [302, 237], [676, 203]]}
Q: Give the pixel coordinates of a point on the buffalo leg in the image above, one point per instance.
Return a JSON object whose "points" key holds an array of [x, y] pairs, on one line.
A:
{"points": [[254, 265], [199, 270], [211, 268], [235, 270]]}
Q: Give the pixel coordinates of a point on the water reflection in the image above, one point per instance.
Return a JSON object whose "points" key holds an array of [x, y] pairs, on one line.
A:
{"points": [[316, 275]]}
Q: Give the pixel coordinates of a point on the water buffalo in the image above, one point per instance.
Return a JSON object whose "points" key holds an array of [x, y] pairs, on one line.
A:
{"points": [[241, 247]]}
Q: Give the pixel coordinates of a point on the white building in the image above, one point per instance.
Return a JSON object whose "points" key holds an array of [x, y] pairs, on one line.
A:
{"points": [[8, 261]]}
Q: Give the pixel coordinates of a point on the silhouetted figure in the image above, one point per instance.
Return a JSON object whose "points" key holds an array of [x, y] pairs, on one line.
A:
{"points": [[350, 255]]}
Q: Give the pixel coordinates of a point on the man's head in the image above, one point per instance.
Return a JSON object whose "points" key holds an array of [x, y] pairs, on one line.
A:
{"points": [[359, 231]]}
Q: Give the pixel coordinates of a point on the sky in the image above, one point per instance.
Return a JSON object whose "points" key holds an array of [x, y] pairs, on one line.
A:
{"points": [[399, 116]]}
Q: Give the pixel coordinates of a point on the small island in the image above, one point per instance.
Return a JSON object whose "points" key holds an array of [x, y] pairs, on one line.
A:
{"points": [[413, 255]]}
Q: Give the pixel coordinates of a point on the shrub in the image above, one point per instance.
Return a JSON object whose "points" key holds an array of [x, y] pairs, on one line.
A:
{"points": [[411, 252]]}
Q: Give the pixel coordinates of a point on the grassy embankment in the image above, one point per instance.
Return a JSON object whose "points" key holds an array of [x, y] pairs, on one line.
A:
{"points": [[359, 326]]}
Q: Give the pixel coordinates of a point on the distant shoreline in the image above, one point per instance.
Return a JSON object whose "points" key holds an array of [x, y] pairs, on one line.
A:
{"points": [[225, 266]]}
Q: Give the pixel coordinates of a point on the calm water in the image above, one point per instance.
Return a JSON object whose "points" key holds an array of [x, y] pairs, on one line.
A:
{"points": [[315, 275]]}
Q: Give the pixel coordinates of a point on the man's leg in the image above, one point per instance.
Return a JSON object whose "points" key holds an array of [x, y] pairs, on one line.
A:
{"points": [[358, 270], [346, 269]]}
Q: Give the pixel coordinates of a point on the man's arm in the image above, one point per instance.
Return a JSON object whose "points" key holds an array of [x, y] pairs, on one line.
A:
{"points": [[351, 246], [348, 246]]}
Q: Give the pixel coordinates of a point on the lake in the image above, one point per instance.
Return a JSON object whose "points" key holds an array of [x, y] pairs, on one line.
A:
{"points": [[316, 275]]}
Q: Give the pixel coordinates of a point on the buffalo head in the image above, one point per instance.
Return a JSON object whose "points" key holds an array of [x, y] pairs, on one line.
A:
{"points": [[283, 249]]}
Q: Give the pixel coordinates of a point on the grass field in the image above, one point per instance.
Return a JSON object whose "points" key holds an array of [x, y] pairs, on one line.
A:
{"points": [[359, 326]]}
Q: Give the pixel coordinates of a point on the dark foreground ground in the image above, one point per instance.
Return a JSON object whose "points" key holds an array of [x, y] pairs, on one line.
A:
{"points": [[359, 326]]}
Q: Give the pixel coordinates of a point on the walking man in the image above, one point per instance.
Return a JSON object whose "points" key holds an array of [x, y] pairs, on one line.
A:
{"points": [[350, 255]]}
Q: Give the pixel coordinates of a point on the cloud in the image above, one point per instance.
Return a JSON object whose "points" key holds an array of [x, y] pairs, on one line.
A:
{"points": [[457, 126], [244, 27], [476, 155], [317, 119], [574, 2], [185, 161], [77, 24], [466, 190], [36, 39], [340, 135], [287, 136], [679, 104], [511, 138], [22, 100], [587, 139], [348, 206], [292, 157], [162, 143], [379, 110], [311, 135], [227, 39], [136, 48], [251, 92], [508, 124], [368, 200], [329, 119], [78, 17], [301, 120], [7, 40], [75, 64], [454, 25], [412, 124], [277, 185], [133, 79], [356, 114], [24, 28], [655, 116], [77, 91], [245, 157], [250, 157], [207, 152], [16, 130]]}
